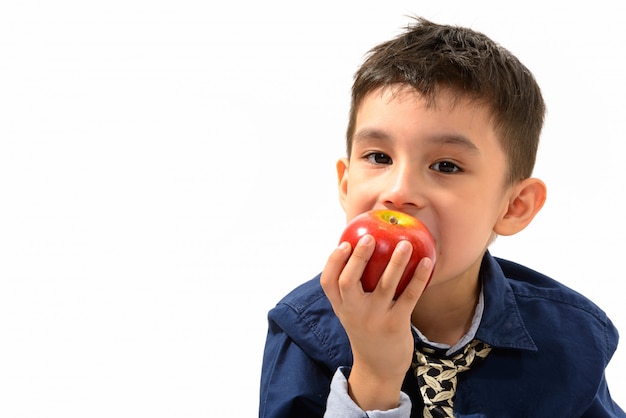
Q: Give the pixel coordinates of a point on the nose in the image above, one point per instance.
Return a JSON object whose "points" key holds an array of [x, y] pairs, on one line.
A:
{"points": [[404, 189]]}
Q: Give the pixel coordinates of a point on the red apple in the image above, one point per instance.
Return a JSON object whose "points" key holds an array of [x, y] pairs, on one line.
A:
{"points": [[389, 227]]}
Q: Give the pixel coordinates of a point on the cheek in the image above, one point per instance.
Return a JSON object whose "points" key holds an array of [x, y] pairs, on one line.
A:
{"points": [[465, 233], [359, 199]]}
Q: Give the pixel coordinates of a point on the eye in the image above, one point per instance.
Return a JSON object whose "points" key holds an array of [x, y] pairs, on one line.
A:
{"points": [[446, 167], [378, 158]]}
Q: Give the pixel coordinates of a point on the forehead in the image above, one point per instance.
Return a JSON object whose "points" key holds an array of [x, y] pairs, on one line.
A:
{"points": [[440, 98], [401, 108]]}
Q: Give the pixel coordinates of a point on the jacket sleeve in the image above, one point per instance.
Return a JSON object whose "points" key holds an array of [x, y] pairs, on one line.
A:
{"points": [[292, 384], [603, 405]]}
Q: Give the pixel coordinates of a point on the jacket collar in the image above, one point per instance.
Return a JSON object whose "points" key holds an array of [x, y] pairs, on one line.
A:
{"points": [[501, 325]]}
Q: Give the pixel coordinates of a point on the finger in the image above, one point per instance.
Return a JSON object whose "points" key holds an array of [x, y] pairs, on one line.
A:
{"points": [[390, 278], [329, 279], [350, 278], [417, 285]]}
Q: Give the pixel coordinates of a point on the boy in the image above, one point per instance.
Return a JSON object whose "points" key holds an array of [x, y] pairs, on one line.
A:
{"points": [[444, 125]]}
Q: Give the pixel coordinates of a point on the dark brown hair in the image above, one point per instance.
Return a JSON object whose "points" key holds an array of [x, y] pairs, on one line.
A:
{"points": [[430, 57]]}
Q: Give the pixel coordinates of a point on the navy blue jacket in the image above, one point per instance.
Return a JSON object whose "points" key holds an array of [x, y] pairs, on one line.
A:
{"points": [[551, 346]]}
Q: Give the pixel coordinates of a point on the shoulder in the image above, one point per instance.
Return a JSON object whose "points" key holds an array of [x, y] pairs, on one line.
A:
{"points": [[553, 311], [306, 316], [531, 284], [304, 296]]}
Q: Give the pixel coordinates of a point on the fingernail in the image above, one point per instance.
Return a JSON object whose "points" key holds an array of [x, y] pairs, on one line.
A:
{"points": [[366, 240], [404, 246]]}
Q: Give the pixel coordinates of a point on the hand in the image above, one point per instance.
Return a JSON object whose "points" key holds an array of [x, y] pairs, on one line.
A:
{"points": [[379, 328]]}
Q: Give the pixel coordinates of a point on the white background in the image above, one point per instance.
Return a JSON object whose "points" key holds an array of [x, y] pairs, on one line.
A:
{"points": [[167, 174]]}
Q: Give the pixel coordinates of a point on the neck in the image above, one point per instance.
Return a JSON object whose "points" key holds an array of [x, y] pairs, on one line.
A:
{"points": [[444, 313]]}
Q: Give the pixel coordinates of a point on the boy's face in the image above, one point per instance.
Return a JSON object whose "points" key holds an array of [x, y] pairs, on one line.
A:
{"points": [[442, 164]]}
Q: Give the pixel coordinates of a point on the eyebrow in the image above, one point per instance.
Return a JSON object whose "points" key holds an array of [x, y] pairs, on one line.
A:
{"points": [[456, 140], [372, 134]]}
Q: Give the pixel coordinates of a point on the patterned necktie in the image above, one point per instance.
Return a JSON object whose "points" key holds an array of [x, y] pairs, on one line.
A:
{"points": [[437, 376]]}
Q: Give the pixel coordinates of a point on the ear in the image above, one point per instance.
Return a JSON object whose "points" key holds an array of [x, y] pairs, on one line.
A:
{"points": [[342, 180], [525, 201]]}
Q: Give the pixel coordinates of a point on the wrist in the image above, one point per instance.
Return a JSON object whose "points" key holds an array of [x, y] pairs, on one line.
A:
{"points": [[372, 391]]}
